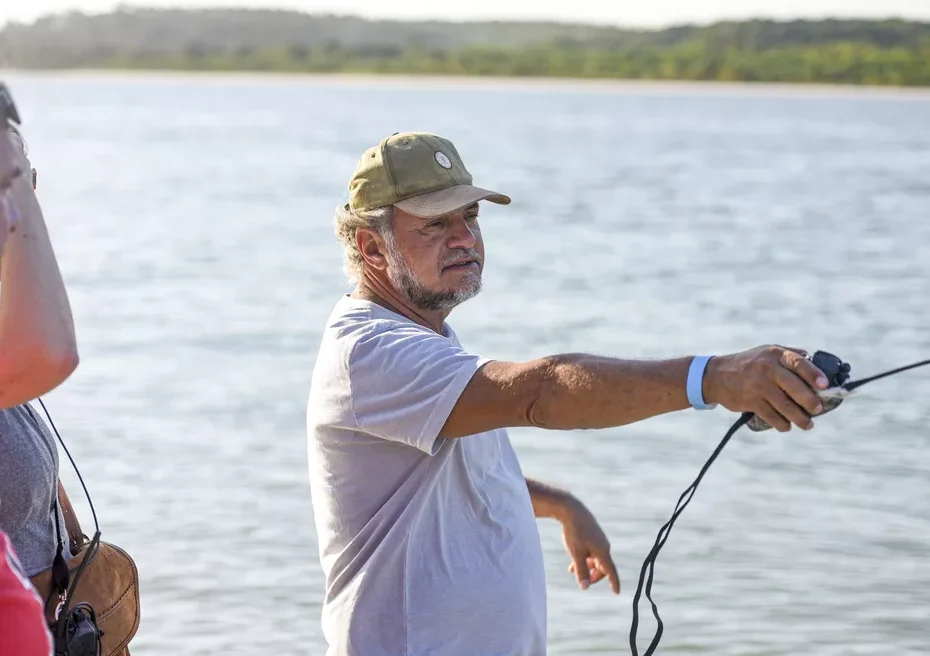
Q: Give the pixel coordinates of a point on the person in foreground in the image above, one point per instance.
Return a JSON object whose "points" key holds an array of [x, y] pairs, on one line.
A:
{"points": [[426, 523], [37, 353]]}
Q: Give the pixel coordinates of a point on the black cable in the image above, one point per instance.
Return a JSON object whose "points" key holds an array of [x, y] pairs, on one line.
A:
{"points": [[849, 387], [60, 571], [648, 569], [649, 563], [77, 471]]}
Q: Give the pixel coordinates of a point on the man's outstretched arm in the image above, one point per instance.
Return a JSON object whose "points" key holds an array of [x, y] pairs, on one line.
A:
{"points": [[579, 391]]}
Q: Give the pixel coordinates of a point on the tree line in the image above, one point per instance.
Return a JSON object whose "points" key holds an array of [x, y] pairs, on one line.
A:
{"points": [[892, 52]]}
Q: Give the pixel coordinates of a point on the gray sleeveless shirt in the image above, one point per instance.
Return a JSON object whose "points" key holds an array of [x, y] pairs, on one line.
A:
{"points": [[29, 487]]}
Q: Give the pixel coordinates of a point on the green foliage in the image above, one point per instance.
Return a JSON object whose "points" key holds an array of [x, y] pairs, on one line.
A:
{"points": [[892, 52]]}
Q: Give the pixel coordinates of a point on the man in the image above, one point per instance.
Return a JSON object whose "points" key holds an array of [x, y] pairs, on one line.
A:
{"points": [[426, 523]]}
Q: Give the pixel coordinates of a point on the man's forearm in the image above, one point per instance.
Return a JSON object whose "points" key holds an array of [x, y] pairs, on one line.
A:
{"points": [[579, 391]]}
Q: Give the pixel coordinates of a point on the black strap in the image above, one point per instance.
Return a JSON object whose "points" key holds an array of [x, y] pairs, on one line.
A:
{"points": [[646, 574], [60, 573]]}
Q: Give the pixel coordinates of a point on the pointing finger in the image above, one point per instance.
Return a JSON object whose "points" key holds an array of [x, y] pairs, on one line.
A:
{"points": [[607, 566]]}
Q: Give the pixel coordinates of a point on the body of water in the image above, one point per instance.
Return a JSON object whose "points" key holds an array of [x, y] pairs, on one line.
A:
{"points": [[192, 217]]}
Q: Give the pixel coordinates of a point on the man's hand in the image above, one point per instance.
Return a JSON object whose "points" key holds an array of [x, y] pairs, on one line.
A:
{"points": [[774, 382], [588, 546]]}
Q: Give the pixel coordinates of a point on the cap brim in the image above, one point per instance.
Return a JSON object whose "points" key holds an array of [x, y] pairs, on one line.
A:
{"points": [[450, 199]]}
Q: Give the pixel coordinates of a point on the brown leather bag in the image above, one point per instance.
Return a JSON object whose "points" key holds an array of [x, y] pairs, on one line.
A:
{"points": [[109, 583]]}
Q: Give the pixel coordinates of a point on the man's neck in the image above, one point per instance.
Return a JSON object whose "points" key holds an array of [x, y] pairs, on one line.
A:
{"points": [[371, 289]]}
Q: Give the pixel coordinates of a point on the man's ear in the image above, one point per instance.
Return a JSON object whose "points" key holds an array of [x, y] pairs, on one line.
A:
{"points": [[372, 247]]}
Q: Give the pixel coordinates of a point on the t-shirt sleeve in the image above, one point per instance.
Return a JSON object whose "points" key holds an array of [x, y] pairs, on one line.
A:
{"points": [[405, 382]]}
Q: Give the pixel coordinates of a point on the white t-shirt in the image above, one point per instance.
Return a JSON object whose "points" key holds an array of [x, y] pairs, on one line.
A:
{"points": [[429, 545]]}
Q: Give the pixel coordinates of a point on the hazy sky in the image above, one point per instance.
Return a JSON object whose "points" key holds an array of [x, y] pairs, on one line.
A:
{"points": [[636, 13]]}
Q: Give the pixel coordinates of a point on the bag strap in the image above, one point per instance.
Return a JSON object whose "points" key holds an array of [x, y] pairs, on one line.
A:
{"points": [[60, 573], [75, 535]]}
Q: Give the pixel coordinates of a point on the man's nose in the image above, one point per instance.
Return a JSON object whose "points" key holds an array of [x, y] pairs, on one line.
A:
{"points": [[462, 235]]}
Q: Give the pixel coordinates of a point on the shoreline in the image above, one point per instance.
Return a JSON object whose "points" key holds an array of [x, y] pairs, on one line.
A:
{"points": [[488, 82]]}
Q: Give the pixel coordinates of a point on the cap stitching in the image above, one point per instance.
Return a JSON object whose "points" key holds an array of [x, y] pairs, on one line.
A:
{"points": [[387, 167]]}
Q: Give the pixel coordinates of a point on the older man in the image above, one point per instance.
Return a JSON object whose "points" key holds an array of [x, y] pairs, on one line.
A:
{"points": [[425, 520]]}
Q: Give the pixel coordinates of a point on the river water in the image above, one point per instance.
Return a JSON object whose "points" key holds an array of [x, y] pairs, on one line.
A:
{"points": [[192, 216]]}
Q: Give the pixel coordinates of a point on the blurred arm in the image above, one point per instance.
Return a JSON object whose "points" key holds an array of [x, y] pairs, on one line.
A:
{"points": [[38, 350]]}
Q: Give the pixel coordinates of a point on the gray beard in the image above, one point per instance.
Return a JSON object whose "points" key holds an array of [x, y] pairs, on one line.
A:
{"points": [[418, 295]]}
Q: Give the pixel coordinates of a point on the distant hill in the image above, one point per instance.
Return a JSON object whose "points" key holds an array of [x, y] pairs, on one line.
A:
{"points": [[847, 51]]}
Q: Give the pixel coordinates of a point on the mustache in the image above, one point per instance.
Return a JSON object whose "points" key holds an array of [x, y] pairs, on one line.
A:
{"points": [[461, 256]]}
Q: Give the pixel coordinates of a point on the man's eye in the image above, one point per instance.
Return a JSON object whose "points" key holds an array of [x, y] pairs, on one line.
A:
{"points": [[434, 224]]}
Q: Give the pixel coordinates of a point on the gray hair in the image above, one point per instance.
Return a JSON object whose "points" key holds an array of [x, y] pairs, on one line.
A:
{"points": [[347, 221]]}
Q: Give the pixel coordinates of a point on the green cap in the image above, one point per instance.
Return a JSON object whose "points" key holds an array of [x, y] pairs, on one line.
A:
{"points": [[418, 172]]}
